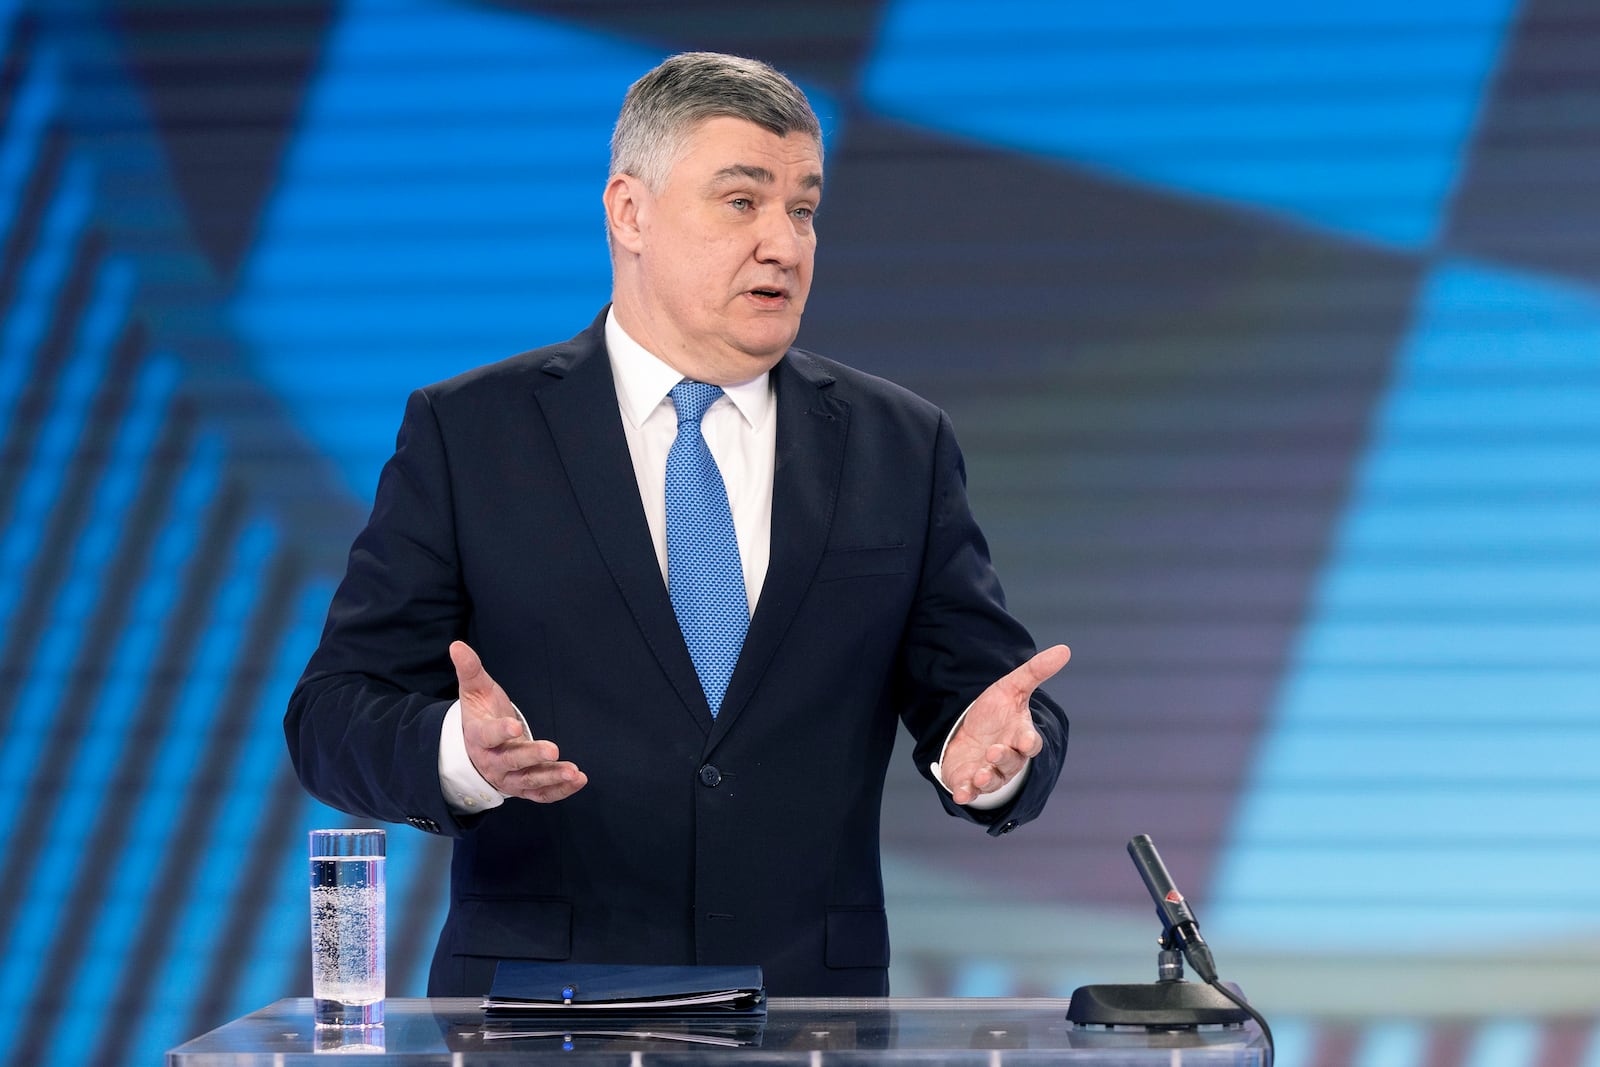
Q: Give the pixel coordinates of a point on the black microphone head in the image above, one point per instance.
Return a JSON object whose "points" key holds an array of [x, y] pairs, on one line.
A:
{"points": [[1169, 902]]}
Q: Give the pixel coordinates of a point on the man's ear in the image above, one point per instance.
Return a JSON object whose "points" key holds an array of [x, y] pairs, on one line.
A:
{"points": [[624, 200]]}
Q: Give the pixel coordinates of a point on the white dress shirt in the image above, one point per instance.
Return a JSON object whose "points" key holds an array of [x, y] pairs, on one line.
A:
{"points": [[741, 430]]}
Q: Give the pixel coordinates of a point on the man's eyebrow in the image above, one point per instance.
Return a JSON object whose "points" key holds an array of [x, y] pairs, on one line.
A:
{"points": [[743, 170], [759, 174]]}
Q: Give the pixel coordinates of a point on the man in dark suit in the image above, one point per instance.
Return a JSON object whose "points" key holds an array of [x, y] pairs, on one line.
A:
{"points": [[716, 790]]}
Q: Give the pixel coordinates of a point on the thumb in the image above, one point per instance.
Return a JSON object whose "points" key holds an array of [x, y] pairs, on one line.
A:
{"points": [[1041, 668], [471, 678]]}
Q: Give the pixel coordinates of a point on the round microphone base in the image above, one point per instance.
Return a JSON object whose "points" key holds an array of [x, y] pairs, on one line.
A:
{"points": [[1156, 1005]]}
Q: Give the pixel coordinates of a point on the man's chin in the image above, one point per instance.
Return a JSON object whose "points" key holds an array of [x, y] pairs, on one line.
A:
{"points": [[767, 349]]}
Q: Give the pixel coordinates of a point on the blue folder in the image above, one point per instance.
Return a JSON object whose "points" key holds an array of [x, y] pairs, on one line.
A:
{"points": [[523, 987]]}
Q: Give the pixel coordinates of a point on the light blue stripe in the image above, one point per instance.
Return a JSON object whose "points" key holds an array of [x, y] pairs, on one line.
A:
{"points": [[1521, 818], [1295, 1039], [1408, 695], [1487, 468], [1417, 874], [36, 102], [1490, 756], [108, 712], [160, 807], [1414, 526], [20, 336], [1392, 1044], [280, 940], [1419, 590], [50, 465], [1408, 929], [982, 978], [283, 940], [261, 761], [105, 746], [1592, 1059], [45, 271], [1507, 1043], [1569, 403], [1563, 645], [204, 903]]}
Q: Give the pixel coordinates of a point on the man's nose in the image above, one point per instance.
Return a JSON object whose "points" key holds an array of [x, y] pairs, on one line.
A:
{"points": [[780, 243]]}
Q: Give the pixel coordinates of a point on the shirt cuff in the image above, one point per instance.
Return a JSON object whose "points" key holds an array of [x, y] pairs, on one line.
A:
{"points": [[466, 792], [983, 801]]}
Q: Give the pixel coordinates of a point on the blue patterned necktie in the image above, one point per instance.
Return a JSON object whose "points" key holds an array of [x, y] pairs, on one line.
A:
{"points": [[704, 576]]}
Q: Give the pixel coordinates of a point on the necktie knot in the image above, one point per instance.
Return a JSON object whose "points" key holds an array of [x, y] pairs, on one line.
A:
{"points": [[691, 399]]}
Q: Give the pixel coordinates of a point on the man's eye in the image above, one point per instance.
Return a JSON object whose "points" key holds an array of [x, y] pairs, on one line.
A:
{"points": [[805, 214], [739, 203]]}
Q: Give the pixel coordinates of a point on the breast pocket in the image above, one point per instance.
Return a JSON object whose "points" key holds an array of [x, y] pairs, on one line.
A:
{"points": [[844, 563]]}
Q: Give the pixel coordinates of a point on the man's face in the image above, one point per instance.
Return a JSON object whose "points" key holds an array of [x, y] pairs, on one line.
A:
{"points": [[725, 251]]}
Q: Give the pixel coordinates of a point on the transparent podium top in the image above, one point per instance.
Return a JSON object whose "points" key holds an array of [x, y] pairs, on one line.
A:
{"points": [[810, 1032]]}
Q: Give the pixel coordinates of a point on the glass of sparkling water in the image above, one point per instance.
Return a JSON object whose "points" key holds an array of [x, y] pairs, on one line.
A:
{"points": [[347, 928]]}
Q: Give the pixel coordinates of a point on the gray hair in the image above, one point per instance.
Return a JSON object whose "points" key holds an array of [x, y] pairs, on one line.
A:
{"points": [[663, 108]]}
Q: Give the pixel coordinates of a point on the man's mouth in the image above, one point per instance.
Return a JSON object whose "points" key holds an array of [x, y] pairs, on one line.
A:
{"points": [[767, 294]]}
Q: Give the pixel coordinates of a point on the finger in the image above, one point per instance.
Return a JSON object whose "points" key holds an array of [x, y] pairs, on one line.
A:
{"points": [[525, 754], [496, 731], [1025, 741], [984, 781], [1005, 759], [560, 791], [511, 767], [547, 782]]}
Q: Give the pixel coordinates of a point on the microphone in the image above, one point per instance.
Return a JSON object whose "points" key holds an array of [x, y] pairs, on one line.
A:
{"points": [[1169, 1002], [1177, 920]]}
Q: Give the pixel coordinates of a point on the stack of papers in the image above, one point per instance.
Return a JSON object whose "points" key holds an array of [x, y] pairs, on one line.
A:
{"points": [[699, 1004]]}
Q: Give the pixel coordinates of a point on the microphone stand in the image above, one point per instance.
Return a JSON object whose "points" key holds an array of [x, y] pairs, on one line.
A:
{"points": [[1169, 1002]]}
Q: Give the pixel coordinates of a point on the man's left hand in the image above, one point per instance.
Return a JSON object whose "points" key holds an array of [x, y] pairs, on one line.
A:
{"points": [[997, 738]]}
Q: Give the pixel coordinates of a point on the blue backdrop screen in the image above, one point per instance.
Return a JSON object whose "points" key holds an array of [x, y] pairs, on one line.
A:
{"points": [[1271, 333]]}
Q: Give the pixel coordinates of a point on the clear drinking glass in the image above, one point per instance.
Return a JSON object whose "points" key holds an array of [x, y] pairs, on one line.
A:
{"points": [[347, 927]]}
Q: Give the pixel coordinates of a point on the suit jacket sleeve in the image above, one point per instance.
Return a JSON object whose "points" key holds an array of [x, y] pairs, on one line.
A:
{"points": [[960, 639], [364, 722]]}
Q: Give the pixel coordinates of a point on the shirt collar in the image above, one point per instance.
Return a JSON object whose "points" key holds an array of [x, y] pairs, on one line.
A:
{"points": [[643, 381]]}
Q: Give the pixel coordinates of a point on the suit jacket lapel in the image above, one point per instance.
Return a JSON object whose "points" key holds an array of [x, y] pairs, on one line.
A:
{"points": [[812, 425], [585, 422]]}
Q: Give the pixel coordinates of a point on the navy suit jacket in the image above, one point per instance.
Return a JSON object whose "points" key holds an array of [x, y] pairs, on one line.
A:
{"points": [[509, 517]]}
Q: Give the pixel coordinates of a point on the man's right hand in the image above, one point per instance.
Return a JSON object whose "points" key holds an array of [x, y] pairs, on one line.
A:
{"points": [[498, 743]]}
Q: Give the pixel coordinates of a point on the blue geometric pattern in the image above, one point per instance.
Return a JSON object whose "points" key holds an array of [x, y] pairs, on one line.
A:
{"points": [[1460, 593], [1287, 422], [471, 244], [1352, 117], [704, 575]]}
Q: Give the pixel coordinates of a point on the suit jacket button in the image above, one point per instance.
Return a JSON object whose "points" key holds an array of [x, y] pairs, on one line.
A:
{"points": [[709, 775], [1008, 827]]}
